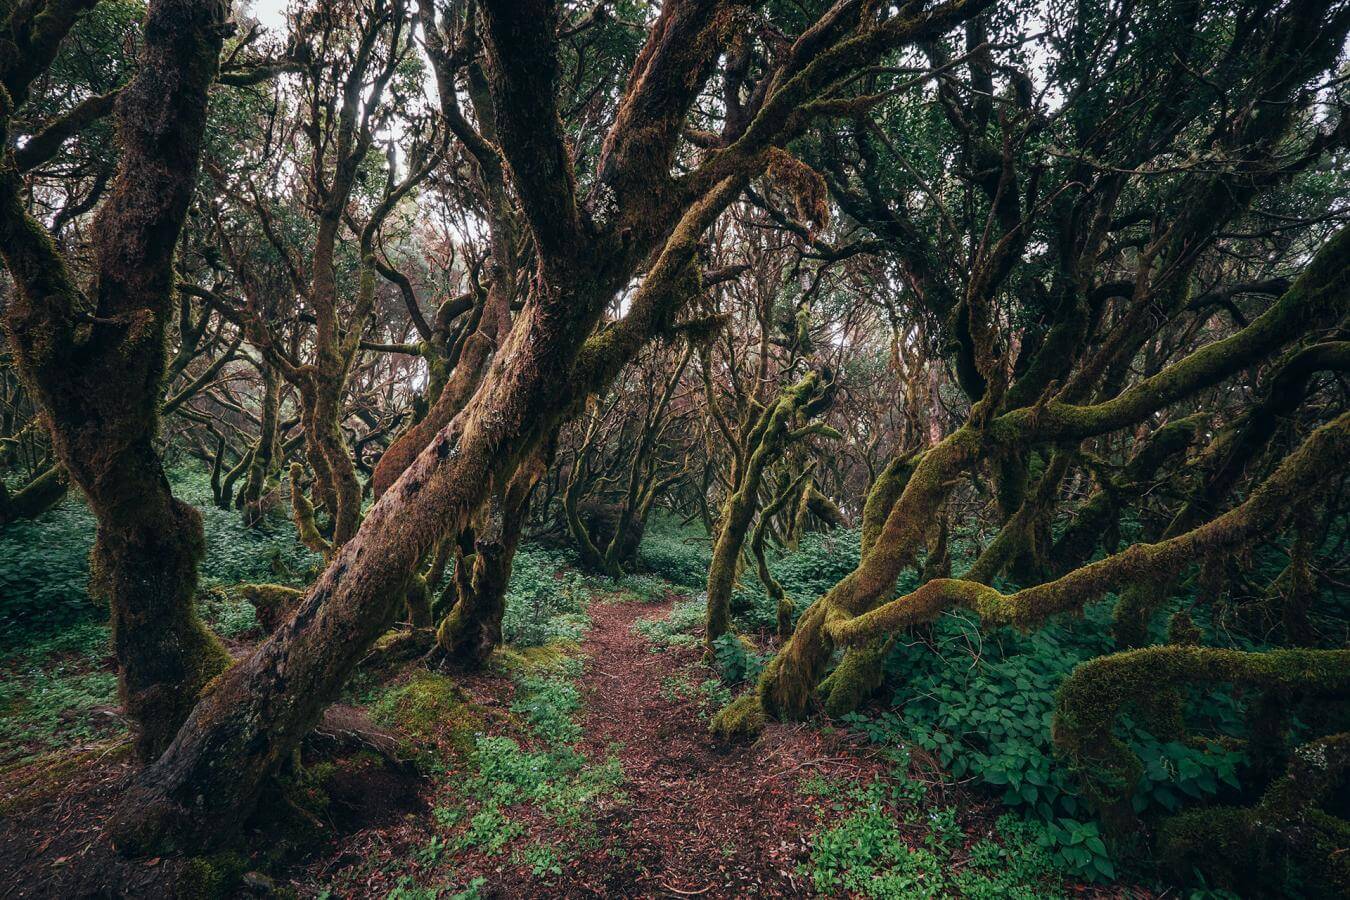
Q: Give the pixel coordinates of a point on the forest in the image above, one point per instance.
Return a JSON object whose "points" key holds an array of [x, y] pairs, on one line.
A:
{"points": [[698, 448]]}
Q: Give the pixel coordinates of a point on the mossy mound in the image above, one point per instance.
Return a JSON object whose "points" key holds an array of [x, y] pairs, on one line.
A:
{"points": [[431, 707], [741, 720], [212, 877], [546, 658]]}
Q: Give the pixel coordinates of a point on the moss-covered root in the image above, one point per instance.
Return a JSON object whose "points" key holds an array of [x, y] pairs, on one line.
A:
{"points": [[272, 603], [1288, 843], [743, 719], [1091, 700], [855, 679], [302, 511], [36, 497]]}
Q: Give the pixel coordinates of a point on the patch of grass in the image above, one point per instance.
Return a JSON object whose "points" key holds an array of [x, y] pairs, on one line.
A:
{"points": [[541, 859], [676, 629], [50, 691]]}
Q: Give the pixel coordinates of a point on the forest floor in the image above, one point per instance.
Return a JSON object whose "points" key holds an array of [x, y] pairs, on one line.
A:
{"points": [[568, 770]]}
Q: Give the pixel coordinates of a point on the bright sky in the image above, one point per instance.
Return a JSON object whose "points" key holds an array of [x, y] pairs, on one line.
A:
{"points": [[271, 13]]}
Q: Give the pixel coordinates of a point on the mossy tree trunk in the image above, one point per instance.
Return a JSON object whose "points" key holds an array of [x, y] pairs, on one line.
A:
{"points": [[200, 790], [100, 385], [472, 629], [780, 424]]}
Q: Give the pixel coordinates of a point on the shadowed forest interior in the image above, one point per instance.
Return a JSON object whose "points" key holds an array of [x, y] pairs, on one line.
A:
{"points": [[700, 448]]}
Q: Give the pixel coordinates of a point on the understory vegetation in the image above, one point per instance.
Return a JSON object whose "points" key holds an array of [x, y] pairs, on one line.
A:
{"points": [[701, 448]]}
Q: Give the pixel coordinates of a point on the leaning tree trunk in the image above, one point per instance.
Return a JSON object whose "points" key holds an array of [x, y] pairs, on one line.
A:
{"points": [[771, 434], [99, 386], [470, 632], [210, 778]]}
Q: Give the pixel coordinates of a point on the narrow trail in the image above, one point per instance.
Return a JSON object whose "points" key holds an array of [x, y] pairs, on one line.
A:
{"points": [[701, 819]]}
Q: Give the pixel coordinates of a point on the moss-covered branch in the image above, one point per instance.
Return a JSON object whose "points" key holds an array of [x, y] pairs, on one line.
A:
{"points": [[1326, 449], [1093, 696]]}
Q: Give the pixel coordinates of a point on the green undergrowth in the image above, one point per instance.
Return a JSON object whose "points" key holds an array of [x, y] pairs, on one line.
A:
{"points": [[496, 775], [44, 564], [821, 560], [641, 587], [679, 554], [545, 600], [981, 701], [887, 839], [58, 693], [57, 685], [675, 629]]}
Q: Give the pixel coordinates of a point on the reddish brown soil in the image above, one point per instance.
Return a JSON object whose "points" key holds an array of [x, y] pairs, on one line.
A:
{"points": [[694, 819], [701, 819]]}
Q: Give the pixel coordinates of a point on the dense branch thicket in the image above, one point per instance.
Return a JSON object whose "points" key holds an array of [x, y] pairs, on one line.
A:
{"points": [[1050, 304]]}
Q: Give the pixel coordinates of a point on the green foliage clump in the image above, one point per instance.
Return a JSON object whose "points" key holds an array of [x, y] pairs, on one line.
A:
{"points": [[548, 702], [981, 701], [675, 629], [44, 572], [736, 662], [235, 552], [680, 555], [867, 853], [544, 603]]}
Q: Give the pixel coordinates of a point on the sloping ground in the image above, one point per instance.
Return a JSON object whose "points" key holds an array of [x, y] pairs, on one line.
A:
{"points": [[701, 820], [565, 771]]}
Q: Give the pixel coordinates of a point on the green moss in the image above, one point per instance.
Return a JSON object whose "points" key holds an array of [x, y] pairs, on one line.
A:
{"points": [[856, 678], [430, 705], [214, 877], [545, 658], [742, 719]]}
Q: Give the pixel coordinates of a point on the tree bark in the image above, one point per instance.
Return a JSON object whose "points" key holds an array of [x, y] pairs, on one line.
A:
{"points": [[100, 388]]}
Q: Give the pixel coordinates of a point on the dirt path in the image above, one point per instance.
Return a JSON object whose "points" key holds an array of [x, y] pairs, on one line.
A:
{"points": [[701, 819]]}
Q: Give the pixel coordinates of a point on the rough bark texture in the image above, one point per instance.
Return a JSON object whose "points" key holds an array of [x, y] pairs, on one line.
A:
{"points": [[771, 434], [99, 385], [470, 632]]}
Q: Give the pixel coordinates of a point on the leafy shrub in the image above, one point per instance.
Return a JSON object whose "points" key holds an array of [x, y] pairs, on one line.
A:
{"points": [[50, 689], [736, 662], [680, 555], [865, 852], [982, 702], [547, 704], [236, 553], [677, 628], [543, 603]]}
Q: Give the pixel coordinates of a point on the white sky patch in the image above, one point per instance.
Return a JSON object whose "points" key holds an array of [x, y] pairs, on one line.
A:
{"points": [[271, 14]]}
